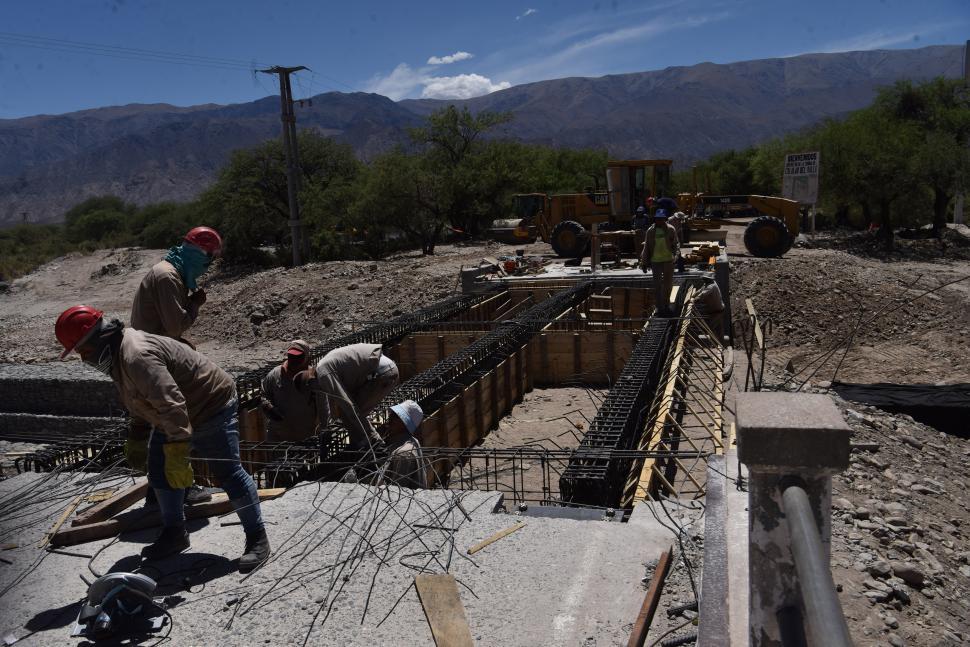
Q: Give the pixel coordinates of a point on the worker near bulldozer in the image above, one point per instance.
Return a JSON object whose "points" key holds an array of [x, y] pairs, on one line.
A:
{"points": [[354, 379], [405, 465], [191, 404], [167, 303], [661, 246], [290, 414]]}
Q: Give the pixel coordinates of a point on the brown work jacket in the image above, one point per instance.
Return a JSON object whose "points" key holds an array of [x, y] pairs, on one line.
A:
{"points": [[167, 384], [299, 410], [162, 305]]}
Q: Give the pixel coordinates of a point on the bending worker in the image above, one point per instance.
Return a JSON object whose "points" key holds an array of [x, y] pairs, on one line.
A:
{"points": [[191, 403], [355, 379], [167, 303], [290, 414], [405, 466], [660, 247]]}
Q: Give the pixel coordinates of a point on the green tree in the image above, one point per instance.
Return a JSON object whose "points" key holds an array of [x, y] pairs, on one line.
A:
{"points": [[452, 166], [249, 201], [939, 111], [99, 219]]}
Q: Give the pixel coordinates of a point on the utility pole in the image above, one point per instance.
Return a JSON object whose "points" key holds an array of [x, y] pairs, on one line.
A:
{"points": [[291, 154]]}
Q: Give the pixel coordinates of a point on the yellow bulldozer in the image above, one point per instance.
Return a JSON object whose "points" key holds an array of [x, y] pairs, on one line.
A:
{"points": [[564, 220]]}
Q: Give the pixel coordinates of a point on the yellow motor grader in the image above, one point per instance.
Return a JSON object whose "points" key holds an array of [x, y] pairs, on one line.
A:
{"points": [[565, 220]]}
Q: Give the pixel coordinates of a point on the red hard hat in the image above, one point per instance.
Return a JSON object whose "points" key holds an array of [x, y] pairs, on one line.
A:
{"points": [[73, 326], [205, 238]]}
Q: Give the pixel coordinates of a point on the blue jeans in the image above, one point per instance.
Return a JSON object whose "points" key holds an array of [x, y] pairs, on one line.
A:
{"points": [[216, 441]]}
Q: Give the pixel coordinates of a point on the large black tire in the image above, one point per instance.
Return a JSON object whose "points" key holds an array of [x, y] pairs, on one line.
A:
{"points": [[569, 239], [767, 237]]}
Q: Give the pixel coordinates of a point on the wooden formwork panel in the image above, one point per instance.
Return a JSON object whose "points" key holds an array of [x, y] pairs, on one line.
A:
{"points": [[598, 357], [467, 418], [420, 351]]}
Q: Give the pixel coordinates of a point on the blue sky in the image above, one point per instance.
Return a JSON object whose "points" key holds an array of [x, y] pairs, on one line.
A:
{"points": [[63, 55]]}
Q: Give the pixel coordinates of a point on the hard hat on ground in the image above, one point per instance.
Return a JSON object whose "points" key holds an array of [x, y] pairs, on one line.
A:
{"points": [[661, 214], [410, 413], [205, 238], [75, 325]]}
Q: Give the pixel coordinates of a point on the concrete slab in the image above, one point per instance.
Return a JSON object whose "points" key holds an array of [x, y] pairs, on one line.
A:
{"points": [[345, 557]]}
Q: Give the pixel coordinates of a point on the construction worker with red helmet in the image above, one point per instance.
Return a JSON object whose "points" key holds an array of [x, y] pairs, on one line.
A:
{"points": [[167, 303], [168, 300], [191, 404]]}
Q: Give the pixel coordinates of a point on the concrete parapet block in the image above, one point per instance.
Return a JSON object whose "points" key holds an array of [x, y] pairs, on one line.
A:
{"points": [[785, 439], [791, 433]]}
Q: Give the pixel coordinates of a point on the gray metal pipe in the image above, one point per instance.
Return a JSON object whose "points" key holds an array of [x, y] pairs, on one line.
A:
{"points": [[824, 618]]}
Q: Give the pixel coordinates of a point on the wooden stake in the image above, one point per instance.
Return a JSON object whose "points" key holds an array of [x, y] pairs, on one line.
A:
{"points": [[501, 533], [640, 628], [68, 511]]}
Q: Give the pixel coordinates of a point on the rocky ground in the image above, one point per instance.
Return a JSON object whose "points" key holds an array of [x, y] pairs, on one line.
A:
{"points": [[900, 531], [836, 293], [250, 315]]}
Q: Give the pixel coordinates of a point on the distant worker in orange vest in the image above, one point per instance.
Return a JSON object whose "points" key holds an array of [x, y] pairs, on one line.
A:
{"points": [[167, 303], [660, 248]]}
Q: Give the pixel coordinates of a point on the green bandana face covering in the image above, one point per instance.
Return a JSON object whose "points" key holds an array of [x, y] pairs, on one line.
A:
{"points": [[191, 263]]}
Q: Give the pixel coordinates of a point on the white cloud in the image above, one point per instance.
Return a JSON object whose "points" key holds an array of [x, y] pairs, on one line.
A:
{"points": [[401, 82], [405, 81], [552, 65], [451, 58], [528, 12], [462, 86], [878, 39]]}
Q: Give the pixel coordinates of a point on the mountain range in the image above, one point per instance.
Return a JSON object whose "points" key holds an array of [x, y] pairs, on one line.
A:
{"points": [[151, 153]]}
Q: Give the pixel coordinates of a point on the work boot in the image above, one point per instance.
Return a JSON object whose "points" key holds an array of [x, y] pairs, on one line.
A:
{"points": [[197, 494], [256, 552], [172, 540]]}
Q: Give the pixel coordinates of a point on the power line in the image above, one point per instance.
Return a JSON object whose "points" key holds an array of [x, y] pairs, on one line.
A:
{"points": [[115, 51]]}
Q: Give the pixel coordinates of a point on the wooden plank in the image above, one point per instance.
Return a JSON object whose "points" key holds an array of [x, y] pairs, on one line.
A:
{"points": [[444, 610], [109, 508], [441, 348], [68, 511], [757, 324], [638, 635], [463, 420], [494, 538], [141, 518], [507, 374]]}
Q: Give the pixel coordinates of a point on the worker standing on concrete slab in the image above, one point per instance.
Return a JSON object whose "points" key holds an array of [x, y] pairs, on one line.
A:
{"points": [[167, 303], [405, 466], [191, 404], [290, 414], [660, 248], [355, 379]]}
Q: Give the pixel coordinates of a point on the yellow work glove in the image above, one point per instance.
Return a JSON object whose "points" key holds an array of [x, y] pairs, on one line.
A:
{"points": [[136, 453], [178, 468]]}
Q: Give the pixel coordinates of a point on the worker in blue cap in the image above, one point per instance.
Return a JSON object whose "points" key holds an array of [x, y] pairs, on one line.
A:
{"points": [[661, 246]]}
